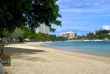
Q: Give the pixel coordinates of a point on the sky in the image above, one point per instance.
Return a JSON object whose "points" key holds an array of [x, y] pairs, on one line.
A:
{"points": [[83, 16]]}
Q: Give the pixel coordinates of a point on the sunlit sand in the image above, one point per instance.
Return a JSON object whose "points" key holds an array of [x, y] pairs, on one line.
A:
{"points": [[33, 58]]}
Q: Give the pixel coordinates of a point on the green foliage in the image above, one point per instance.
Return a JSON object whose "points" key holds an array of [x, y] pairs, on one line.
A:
{"points": [[59, 38], [34, 12], [11, 14], [26, 33], [101, 34], [5, 34], [80, 38], [17, 33], [43, 36]]}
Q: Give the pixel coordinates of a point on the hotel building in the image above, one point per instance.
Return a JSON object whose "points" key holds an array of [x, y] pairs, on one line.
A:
{"points": [[43, 29], [69, 35]]}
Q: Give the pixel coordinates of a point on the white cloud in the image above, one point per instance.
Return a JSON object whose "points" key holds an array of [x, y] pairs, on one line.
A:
{"points": [[84, 3], [92, 3], [68, 3], [106, 27], [83, 16], [59, 29], [81, 10]]}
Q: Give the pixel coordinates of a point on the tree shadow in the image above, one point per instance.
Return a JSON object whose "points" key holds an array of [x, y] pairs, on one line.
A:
{"points": [[19, 53]]}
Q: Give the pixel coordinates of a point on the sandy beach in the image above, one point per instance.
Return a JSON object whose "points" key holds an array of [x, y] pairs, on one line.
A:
{"points": [[33, 58]]}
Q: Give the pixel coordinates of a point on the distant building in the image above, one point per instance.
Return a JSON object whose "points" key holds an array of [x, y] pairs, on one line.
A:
{"points": [[43, 29], [69, 35]]}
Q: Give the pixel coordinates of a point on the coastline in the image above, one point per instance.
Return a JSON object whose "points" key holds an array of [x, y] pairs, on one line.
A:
{"points": [[81, 52], [83, 40], [34, 58]]}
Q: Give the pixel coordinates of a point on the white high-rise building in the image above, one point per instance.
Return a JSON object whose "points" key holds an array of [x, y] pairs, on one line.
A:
{"points": [[43, 29], [69, 35]]}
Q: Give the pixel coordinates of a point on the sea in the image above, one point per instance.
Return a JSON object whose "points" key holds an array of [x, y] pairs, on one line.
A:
{"points": [[99, 48]]}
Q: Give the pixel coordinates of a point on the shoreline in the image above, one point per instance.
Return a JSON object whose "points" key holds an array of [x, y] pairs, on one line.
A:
{"points": [[33, 58], [84, 40], [81, 52]]}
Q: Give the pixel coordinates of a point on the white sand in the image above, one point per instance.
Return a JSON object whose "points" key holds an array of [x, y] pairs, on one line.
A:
{"points": [[1, 69], [32, 58]]}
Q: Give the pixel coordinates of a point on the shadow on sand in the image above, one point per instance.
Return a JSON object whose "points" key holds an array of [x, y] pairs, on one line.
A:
{"points": [[20, 53]]}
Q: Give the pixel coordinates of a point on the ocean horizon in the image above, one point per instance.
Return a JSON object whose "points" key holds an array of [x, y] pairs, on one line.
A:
{"points": [[99, 48]]}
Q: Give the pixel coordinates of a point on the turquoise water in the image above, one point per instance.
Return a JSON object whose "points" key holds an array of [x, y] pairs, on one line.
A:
{"points": [[101, 48]]}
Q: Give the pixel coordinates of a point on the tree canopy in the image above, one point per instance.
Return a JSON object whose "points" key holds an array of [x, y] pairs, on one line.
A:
{"points": [[30, 13], [99, 34]]}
